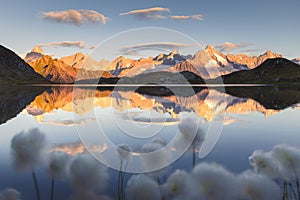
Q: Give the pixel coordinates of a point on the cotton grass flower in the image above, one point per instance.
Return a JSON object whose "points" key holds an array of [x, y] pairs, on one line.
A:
{"points": [[10, 194], [155, 156], [87, 175], [124, 152], [58, 165], [191, 134], [263, 163], [163, 142], [288, 161], [214, 182], [258, 187], [28, 149], [189, 128], [178, 185], [142, 187]]}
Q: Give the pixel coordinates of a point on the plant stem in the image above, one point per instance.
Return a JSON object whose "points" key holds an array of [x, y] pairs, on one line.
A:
{"points": [[52, 188], [120, 182], [298, 188], [36, 186], [292, 189], [194, 156], [123, 175], [284, 193]]}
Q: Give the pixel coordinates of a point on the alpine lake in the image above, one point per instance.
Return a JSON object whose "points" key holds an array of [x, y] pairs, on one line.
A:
{"points": [[95, 120]]}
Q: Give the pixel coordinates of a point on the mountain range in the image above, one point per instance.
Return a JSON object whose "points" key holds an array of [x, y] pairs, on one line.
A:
{"points": [[277, 70], [66, 69], [13, 70], [206, 64]]}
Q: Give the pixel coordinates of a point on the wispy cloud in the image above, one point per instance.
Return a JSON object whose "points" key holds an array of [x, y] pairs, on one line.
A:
{"points": [[80, 122], [198, 17], [228, 46], [76, 44], [76, 17], [167, 46], [251, 50], [77, 148], [149, 13]]}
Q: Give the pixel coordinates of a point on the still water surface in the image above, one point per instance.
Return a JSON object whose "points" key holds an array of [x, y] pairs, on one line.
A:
{"points": [[241, 120]]}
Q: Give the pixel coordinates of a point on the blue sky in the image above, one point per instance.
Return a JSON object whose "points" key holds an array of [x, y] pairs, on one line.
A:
{"points": [[254, 26]]}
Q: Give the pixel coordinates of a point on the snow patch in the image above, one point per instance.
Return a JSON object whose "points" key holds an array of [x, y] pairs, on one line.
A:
{"points": [[221, 59]]}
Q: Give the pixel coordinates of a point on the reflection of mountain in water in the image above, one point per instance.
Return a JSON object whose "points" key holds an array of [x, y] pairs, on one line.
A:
{"points": [[271, 97], [14, 99], [206, 103]]}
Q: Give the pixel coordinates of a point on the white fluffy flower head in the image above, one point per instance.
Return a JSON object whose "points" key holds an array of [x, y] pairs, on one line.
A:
{"points": [[263, 163], [28, 149], [142, 187], [58, 165]]}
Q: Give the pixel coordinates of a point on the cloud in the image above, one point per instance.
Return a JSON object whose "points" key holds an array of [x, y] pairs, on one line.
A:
{"points": [[80, 122], [198, 17], [149, 13], [251, 50], [75, 148], [76, 44], [76, 17], [156, 120], [228, 46], [135, 49]]}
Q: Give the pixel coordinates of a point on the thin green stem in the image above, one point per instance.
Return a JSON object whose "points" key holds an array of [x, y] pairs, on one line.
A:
{"points": [[52, 188], [293, 190], [36, 186], [194, 156], [122, 178], [298, 188], [120, 181]]}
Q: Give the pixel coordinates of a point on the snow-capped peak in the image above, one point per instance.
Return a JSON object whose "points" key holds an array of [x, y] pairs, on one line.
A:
{"points": [[38, 49]]}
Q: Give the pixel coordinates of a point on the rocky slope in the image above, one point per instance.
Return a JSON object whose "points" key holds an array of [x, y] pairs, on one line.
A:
{"points": [[56, 70], [252, 61], [296, 60], [124, 67], [276, 70], [82, 61], [210, 63], [13, 70], [36, 53]]}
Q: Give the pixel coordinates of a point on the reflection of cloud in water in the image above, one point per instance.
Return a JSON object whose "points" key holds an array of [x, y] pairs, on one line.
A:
{"points": [[10, 194], [77, 122], [136, 117], [229, 120], [73, 149], [158, 121], [34, 111]]}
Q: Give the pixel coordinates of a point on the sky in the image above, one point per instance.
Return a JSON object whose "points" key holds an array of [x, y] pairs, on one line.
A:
{"points": [[64, 27]]}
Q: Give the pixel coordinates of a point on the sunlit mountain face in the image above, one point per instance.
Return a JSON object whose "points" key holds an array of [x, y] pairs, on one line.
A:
{"points": [[162, 121], [208, 63], [149, 100]]}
